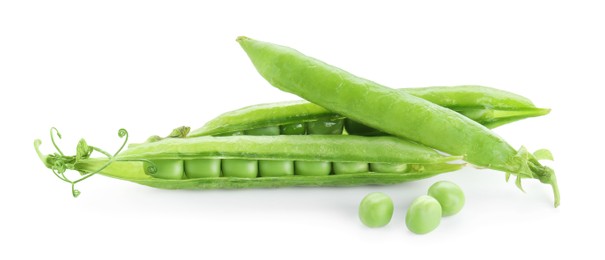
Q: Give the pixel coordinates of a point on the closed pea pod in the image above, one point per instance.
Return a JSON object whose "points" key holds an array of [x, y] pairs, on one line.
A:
{"points": [[386, 109]]}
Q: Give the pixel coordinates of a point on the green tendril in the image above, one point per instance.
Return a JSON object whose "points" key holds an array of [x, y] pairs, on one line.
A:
{"points": [[59, 163], [122, 133], [99, 150], [150, 168], [52, 138]]}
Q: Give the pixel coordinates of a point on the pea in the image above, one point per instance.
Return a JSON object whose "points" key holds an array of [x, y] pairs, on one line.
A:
{"points": [[424, 215], [312, 168], [376, 209], [349, 167], [325, 127], [388, 167], [169, 169], [201, 168], [275, 168], [449, 195], [240, 168], [293, 129]]}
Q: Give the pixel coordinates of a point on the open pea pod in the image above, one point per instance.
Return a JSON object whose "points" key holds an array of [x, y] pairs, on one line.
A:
{"points": [[488, 106], [258, 161]]}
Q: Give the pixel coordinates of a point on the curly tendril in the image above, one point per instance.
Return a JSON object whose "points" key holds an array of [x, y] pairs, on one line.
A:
{"points": [[122, 133], [150, 168], [59, 163], [52, 139]]}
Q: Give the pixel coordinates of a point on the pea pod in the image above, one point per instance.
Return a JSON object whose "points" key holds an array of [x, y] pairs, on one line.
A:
{"points": [[487, 106], [392, 111], [257, 161]]}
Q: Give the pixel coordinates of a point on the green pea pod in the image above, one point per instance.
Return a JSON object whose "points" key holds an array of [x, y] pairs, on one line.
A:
{"points": [[487, 106], [392, 111], [257, 161]]}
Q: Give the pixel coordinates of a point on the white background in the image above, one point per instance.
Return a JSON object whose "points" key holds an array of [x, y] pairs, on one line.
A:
{"points": [[149, 66]]}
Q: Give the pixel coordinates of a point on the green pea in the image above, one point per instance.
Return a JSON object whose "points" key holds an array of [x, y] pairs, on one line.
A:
{"points": [[349, 167], [269, 130], [203, 168], [240, 168], [169, 169], [293, 129], [376, 209], [424, 215], [312, 168], [389, 167], [325, 127], [275, 168], [449, 195]]}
